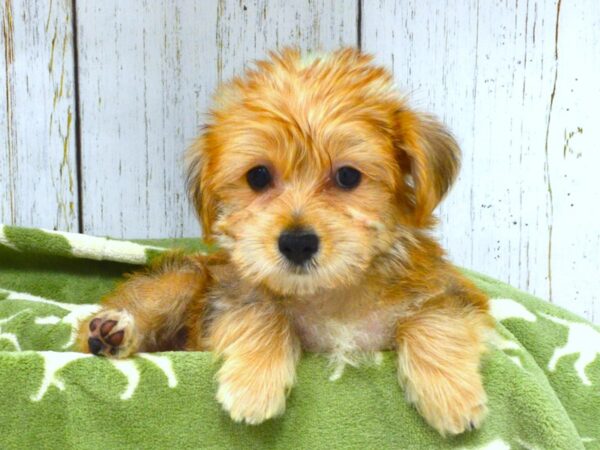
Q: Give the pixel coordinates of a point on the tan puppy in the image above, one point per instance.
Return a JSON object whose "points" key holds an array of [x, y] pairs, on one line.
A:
{"points": [[319, 183]]}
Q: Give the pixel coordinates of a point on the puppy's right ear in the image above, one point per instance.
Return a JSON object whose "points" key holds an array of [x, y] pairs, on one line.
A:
{"points": [[199, 187], [430, 155]]}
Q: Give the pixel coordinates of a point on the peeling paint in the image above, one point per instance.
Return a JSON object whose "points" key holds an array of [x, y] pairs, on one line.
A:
{"points": [[567, 145], [52, 47], [547, 162], [65, 162], [219, 41], [58, 91], [8, 32], [49, 16]]}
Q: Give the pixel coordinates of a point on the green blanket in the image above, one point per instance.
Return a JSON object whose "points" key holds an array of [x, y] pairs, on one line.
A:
{"points": [[542, 374]]}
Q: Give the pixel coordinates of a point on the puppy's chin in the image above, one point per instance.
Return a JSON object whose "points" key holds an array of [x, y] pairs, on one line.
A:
{"points": [[294, 283], [310, 283], [286, 279]]}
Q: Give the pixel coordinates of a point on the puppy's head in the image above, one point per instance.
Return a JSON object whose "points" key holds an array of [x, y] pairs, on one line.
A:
{"points": [[308, 166]]}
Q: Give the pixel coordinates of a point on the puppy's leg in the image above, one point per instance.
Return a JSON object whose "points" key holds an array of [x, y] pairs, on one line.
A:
{"points": [[260, 353], [146, 312], [439, 351]]}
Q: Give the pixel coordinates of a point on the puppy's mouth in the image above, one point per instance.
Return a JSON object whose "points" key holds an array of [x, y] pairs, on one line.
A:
{"points": [[306, 269]]}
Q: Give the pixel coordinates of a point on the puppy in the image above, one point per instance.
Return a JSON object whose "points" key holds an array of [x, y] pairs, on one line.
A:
{"points": [[318, 183]]}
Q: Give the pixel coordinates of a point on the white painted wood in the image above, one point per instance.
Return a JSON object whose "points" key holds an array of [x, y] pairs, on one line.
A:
{"points": [[147, 70], [145, 76], [521, 94], [38, 174], [574, 160], [248, 30]]}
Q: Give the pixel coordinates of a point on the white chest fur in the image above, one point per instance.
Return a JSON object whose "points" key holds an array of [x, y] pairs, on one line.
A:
{"points": [[344, 335]]}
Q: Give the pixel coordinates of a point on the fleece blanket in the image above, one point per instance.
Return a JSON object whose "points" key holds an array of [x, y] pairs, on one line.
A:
{"points": [[542, 373]]}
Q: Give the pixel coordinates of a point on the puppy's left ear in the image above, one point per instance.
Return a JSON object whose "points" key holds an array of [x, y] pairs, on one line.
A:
{"points": [[429, 158], [199, 186]]}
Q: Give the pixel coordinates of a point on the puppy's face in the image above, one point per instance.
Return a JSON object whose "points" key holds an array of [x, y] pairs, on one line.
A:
{"points": [[308, 167]]}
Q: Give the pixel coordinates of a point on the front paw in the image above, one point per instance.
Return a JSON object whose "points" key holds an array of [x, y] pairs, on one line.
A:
{"points": [[451, 406], [251, 398], [109, 333]]}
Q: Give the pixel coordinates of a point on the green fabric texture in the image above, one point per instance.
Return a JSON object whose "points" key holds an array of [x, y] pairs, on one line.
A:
{"points": [[542, 373]]}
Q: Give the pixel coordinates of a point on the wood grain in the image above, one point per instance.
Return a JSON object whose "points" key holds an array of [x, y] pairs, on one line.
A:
{"points": [[515, 82], [146, 83], [38, 174], [573, 159]]}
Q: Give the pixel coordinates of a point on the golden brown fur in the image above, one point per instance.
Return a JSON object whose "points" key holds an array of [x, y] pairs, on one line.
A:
{"points": [[378, 280]]}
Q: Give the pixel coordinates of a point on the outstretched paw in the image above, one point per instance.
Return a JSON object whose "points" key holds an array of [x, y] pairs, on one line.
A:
{"points": [[450, 408], [111, 333], [250, 404]]}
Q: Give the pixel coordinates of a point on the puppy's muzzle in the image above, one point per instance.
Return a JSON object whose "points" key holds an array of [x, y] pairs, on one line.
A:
{"points": [[298, 245]]}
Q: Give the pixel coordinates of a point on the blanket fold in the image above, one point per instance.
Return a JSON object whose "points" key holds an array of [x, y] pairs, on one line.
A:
{"points": [[542, 373]]}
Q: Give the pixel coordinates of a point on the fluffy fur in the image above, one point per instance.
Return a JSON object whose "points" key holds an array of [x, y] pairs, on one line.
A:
{"points": [[378, 280]]}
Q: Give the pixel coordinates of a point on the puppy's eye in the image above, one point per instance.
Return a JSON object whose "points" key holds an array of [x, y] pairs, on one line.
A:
{"points": [[347, 177], [259, 178]]}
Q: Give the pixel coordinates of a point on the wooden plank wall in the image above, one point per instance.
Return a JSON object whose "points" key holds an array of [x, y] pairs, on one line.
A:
{"points": [[101, 99], [518, 84], [147, 70], [38, 167]]}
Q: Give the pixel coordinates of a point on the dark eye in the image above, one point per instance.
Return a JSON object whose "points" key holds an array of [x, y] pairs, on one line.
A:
{"points": [[259, 178], [347, 177]]}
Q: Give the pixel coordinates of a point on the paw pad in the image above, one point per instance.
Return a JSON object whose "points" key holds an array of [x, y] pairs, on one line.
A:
{"points": [[111, 333]]}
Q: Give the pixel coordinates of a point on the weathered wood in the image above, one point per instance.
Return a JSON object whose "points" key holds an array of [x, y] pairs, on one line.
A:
{"points": [[38, 174], [573, 151], [517, 83], [515, 80], [147, 70]]}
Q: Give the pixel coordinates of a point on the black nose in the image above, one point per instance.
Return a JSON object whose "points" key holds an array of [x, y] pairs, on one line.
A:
{"points": [[298, 246]]}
